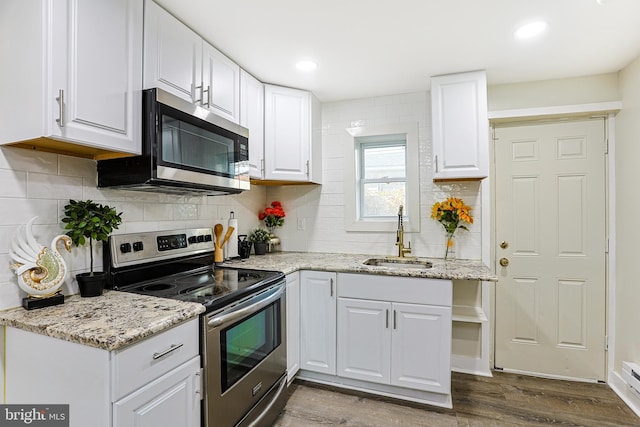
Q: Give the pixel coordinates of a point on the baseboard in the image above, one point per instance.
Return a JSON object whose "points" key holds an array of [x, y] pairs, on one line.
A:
{"points": [[626, 393], [470, 365]]}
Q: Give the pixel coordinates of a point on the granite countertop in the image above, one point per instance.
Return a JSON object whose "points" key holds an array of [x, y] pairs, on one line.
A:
{"points": [[289, 262], [111, 321], [115, 319]]}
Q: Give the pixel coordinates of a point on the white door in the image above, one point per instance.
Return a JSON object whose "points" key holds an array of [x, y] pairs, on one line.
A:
{"points": [[293, 324], [318, 321], [421, 347], [252, 117], [550, 229], [364, 340]]}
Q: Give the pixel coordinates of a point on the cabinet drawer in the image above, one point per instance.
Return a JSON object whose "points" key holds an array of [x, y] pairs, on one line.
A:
{"points": [[396, 289], [144, 361]]}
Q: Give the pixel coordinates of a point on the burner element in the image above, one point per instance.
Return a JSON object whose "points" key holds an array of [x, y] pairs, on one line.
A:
{"points": [[158, 287]]}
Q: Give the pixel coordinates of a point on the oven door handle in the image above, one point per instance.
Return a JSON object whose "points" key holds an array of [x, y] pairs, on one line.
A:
{"points": [[264, 300]]}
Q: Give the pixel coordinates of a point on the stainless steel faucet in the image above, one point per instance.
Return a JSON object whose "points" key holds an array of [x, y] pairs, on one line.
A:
{"points": [[400, 236]]}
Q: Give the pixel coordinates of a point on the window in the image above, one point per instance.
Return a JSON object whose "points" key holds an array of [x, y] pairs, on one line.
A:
{"points": [[382, 177], [381, 174]]}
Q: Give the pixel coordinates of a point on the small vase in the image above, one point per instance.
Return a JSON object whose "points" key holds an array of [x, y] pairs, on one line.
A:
{"points": [[450, 252], [274, 241]]}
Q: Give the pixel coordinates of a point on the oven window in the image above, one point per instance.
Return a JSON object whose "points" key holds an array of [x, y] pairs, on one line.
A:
{"points": [[248, 342], [196, 148]]}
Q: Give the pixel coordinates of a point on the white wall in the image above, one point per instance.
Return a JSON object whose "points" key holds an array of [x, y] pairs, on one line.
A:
{"points": [[627, 297], [322, 207], [548, 93], [40, 184]]}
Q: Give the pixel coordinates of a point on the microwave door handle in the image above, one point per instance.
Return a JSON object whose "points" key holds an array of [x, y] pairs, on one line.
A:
{"points": [[264, 300]]}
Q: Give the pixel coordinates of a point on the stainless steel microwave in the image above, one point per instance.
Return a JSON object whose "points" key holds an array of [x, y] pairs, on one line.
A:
{"points": [[186, 149]]}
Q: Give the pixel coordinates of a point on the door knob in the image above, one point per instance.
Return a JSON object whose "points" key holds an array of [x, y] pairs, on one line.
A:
{"points": [[504, 244], [504, 262]]}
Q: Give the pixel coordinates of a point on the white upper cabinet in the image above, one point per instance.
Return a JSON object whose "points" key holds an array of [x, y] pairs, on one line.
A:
{"points": [[221, 82], [252, 117], [292, 133], [75, 75], [460, 126], [172, 54], [179, 61]]}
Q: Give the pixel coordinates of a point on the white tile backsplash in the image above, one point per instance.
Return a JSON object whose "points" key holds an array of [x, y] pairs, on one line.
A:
{"points": [[40, 184], [324, 207]]}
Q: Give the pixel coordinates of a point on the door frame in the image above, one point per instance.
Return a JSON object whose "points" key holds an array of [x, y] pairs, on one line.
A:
{"points": [[607, 110]]}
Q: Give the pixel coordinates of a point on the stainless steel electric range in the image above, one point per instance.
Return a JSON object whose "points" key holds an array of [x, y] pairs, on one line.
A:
{"points": [[243, 335]]}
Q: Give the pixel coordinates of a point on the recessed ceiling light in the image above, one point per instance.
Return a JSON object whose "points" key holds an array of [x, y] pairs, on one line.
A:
{"points": [[530, 30], [306, 65]]}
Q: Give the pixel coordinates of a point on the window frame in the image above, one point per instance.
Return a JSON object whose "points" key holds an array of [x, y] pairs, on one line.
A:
{"points": [[362, 143], [352, 219]]}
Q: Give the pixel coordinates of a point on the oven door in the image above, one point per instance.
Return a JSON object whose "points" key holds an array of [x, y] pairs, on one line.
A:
{"points": [[244, 356]]}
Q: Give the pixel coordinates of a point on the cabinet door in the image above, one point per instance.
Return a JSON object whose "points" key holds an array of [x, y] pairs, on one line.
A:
{"points": [[421, 347], [318, 321], [364, 340], [287, 133], [252, 117], [96, 73], [171, 400], [460, 126], [293, 324], [221, 83], [172, 55]]}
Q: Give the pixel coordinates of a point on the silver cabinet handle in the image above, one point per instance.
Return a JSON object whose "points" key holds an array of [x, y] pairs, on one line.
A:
{"points": [[194, 88], [208, 104], [436, 163], [307, 168], [262, 168], [395, 319], [173, 347], [331, 287], [387, 317], [60, 99]]}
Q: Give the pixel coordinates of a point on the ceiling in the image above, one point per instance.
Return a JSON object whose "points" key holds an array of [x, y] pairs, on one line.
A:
{"points": [[367, 48]]}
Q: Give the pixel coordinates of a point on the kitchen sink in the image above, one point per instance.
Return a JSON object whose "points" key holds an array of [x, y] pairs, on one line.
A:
{"points": [[394, 262]]}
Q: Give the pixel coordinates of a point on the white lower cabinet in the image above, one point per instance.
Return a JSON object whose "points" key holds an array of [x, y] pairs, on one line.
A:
{"points": [[155, 382], [391, 335], [318, 321], [406, 345], [293, 325], [168, 401]]}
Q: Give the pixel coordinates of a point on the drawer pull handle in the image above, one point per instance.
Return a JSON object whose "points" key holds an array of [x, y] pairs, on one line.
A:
{"points": [[173, 347]]}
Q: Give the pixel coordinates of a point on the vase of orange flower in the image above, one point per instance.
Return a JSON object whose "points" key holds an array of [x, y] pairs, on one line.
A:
{"points": [[451, 213], [273, 216]]}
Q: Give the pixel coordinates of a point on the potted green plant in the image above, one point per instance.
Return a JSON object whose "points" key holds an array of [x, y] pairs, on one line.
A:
{"points": [[87, 220], [260, 237]]}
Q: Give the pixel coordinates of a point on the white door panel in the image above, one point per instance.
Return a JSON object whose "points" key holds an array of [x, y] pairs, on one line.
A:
{"points": [[550, 210]]}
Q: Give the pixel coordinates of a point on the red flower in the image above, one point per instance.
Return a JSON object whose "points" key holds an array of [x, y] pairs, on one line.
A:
{"points": [[273, 216]]}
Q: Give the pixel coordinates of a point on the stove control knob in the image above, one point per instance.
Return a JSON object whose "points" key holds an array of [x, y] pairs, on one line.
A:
{"points": [[208, 238], [125, 248], [192, 239], [201, 238], [137, 246]]}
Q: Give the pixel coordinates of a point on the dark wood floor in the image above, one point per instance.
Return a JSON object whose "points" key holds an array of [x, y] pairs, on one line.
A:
{"points": [[504, 400]]}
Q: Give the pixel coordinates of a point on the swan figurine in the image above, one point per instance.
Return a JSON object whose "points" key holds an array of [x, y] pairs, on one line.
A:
{"points": [[41, 270]]}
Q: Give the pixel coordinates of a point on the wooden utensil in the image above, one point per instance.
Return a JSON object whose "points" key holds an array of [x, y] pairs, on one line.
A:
{"points": [[226, 236], [218, 256]]}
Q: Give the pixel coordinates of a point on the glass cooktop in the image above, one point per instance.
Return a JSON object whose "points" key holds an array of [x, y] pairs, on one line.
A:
{"points": [[212, 287]]}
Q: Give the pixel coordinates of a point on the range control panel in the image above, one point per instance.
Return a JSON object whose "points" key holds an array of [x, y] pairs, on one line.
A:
{"points": [[137, 248]]}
